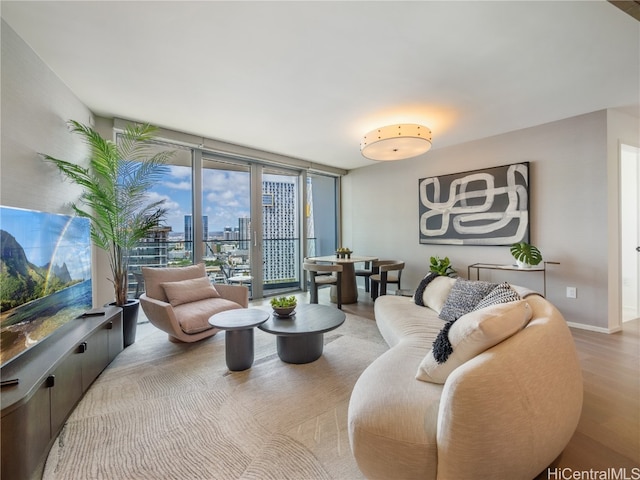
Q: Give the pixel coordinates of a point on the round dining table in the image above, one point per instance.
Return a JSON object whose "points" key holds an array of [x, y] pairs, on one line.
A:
{"points": [[349, 286]]}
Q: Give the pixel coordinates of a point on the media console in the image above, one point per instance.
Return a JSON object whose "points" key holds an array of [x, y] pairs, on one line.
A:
{"points": [[42, 386]]}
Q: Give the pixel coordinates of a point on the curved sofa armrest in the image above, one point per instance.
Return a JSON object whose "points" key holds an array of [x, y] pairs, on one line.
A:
{"points": [[235, 293], [514, 407]]}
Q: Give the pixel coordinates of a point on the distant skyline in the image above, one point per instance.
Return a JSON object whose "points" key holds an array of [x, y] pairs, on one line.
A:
{"points": [[226, 196]]}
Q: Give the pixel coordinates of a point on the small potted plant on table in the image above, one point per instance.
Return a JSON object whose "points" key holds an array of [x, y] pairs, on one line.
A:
{"points": [[284, 306], [526, 255]]}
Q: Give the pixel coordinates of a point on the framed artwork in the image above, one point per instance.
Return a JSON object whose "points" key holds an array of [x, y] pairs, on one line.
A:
{"points": [[482, 207]]}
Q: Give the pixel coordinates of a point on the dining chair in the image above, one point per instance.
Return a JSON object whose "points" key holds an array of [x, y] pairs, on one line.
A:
{"points": [[384, 273], [366, 273], [319, 278]]}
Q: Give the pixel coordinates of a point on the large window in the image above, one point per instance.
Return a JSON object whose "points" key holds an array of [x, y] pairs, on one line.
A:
{"points": [[171, 243], [250, 223], [322, 214]]}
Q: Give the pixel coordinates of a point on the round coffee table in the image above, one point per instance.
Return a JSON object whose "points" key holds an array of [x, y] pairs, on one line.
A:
{"points": [[238, 340], [300, 338]]}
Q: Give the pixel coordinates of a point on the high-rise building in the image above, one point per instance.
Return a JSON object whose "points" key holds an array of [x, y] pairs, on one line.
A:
{"points": [[280, 228], [244, 227], [151, 251], [188, 228]]}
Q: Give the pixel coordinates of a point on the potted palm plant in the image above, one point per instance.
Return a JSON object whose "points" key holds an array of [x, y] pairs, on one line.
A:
{"points": [[115, 200]]}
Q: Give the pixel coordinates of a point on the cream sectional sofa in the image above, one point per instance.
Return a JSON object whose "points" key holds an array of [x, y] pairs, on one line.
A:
{"points": [[505, 413]]}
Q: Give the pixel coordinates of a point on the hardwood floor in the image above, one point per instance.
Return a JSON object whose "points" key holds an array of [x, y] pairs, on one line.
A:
{"points": [[608, 435]]}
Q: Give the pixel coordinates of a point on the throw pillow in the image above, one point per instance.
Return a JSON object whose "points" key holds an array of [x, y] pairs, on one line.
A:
{"points": [[433, 291], [463, 298], [474, 333], [503, 293], [187, 291]]}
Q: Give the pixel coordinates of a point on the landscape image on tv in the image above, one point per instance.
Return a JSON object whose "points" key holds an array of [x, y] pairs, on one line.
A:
{"points": [[45, 276]]}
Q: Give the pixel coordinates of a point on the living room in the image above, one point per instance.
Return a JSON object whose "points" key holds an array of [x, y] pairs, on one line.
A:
{"points": [[574, 161]]}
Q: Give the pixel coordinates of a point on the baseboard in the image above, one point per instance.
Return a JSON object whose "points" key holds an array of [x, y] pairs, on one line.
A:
{"points": [[591, 328]]}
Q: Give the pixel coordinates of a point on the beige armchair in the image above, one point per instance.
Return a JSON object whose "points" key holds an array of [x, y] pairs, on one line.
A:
{"points": [[179, 301]]}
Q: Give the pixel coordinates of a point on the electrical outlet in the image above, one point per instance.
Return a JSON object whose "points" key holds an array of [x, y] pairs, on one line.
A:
{"points": [[572, 292]]}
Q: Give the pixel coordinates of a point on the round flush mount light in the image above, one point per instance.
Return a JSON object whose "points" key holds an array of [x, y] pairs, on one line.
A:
{"points": [[396, 142]]}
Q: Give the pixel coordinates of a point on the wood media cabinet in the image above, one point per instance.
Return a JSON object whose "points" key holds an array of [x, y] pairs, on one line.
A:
{"points": [[42, 386]]}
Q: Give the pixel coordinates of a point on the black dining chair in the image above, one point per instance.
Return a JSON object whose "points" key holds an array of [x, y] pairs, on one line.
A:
{"points": [[319, 278], [366, 273], [385, 272]]}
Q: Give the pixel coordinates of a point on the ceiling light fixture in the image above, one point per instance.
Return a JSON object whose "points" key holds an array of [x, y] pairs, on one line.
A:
{"points": [[396, 142]]}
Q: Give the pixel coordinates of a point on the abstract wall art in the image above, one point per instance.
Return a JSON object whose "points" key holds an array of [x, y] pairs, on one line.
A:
{"points": [[481, 207]]}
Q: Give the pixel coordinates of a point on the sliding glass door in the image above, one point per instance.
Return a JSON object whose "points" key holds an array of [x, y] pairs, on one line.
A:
{"points": [[226, 222], [281, 227], [250, 223]]}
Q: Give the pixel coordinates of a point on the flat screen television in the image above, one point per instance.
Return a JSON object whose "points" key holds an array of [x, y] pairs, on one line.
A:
{"points": [[45, 276]]}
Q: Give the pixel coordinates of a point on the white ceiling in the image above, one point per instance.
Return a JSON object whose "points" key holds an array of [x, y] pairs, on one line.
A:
{"points": [[308, 79]]}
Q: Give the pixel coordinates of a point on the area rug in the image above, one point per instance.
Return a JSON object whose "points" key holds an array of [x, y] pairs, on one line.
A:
{"points": [[174, 411]]}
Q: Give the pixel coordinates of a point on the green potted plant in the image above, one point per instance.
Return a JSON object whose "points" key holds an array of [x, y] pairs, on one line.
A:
{"points": [[441, 266], [526, 255], [284, 306], [114, 199]]}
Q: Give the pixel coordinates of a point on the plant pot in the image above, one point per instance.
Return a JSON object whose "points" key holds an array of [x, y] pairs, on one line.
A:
{"points": [[283, 311], [129, 320], [522, 264]]}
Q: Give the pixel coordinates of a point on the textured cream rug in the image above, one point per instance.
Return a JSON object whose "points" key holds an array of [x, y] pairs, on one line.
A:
{"points": [[174, 411]]}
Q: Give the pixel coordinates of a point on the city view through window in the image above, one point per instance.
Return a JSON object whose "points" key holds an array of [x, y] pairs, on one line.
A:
{"points": [[227, 230]]}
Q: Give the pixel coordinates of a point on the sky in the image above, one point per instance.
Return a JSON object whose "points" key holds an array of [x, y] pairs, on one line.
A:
{"points": [[226, 196]]}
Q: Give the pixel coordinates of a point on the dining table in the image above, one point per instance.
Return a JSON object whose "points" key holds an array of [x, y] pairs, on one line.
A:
{"points": [[349, 286]]}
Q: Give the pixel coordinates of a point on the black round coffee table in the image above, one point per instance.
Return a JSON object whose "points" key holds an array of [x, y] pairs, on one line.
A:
{"points": [[238, 340], [300, 338]]}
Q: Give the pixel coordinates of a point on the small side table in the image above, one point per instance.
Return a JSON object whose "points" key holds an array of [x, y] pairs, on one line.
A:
{"points": [[513, 268], [238, 325]]}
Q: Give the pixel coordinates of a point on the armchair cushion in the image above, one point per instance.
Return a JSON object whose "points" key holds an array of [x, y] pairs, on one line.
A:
{"points": [[191, 290], [474, 333], [153, 277], [194, 317]]}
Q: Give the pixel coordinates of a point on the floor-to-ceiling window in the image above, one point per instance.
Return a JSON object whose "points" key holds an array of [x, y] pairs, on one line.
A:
{"points": [[281, 230], [249, 221], [171, 243], [322, 214], [226, 221]]}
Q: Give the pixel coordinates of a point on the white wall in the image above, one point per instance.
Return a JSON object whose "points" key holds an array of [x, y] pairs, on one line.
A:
{"points": [[623, 128], [35, 108], [569, 210]]}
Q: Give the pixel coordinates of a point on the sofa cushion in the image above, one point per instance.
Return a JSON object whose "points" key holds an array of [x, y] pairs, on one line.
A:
{"points": [[433, 291], [503, 293], [474, 333], [399, 319], [194, 317], [463, 298], [153, 277], [191, 290]]}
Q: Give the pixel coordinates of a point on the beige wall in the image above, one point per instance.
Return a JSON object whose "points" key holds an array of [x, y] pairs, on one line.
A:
{"points": [[569, 210], [35, 108]]}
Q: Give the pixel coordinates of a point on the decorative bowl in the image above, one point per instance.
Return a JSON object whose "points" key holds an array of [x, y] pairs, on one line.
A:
{"points": [[284, 311]]}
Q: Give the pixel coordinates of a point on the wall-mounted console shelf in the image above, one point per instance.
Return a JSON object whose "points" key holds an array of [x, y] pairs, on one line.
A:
{"points": [[42, 386], [513, 268]]}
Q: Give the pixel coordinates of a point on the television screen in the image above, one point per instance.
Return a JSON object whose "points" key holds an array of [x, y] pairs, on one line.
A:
{"points": [[45, 276]]}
